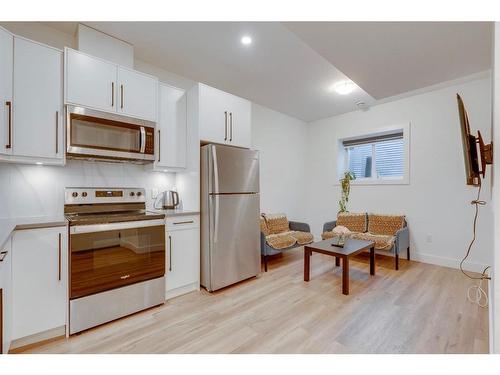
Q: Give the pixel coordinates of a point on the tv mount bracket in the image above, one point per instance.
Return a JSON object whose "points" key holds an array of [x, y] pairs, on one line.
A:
{"points": [[485, 152]]}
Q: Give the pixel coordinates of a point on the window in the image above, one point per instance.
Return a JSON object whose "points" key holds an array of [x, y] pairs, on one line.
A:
{"points": [[376, 157]]}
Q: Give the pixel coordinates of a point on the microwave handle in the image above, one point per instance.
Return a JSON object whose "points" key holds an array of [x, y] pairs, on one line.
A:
{"points": [[143, 140]]}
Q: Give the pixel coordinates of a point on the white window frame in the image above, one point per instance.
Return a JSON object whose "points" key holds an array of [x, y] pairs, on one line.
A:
{"points": [[343, 157]]}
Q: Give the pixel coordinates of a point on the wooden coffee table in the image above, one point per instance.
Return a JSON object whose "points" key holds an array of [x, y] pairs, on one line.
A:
{"points": [[351, 247]]}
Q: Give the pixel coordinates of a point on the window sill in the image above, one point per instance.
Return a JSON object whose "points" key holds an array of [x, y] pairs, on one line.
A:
{"points": [[372, 181]]}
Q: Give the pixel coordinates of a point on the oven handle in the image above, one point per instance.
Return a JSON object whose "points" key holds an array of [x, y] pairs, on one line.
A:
{"points": [[93, 228], [143, 139]]}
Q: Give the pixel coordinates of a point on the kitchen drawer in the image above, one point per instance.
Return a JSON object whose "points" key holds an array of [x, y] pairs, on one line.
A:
{"points": [[183, 222]]}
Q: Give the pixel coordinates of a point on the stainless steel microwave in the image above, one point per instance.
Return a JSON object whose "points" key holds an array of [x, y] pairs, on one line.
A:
{"points": [[99, 135]]}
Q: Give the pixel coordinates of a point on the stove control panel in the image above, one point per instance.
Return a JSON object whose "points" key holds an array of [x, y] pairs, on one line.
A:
{"points": [[104, 195]]}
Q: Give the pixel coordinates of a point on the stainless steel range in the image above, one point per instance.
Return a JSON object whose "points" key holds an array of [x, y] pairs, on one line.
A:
{"points": [[117, 255]]}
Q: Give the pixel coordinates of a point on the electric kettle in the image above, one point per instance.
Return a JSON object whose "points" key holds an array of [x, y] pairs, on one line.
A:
{"points": [[170, 199]]}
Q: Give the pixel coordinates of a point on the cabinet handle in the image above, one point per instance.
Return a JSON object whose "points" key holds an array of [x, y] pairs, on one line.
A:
{"points": [[121, 96], [59, 260], [184, 222], [3, 254], [112, 94], [159, 145], [225, 125], [170, 253], [9, 144], [57, 132], [231, 127]]}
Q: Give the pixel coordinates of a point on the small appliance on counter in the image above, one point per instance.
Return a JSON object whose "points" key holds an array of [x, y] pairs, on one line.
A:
{"points": [[170, 200]]}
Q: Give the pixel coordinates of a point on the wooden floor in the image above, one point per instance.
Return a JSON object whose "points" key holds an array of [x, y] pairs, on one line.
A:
{"points": [[419, 309]]}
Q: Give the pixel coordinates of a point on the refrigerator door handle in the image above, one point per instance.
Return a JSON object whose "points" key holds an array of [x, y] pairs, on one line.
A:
{"points": [[216, 217]]}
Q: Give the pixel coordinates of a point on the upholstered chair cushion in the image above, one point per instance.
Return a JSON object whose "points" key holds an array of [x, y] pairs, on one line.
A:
{"points": [[277, 223], [302, 238], [355, 222], [386, 225], [382, 242], [280, 241]]}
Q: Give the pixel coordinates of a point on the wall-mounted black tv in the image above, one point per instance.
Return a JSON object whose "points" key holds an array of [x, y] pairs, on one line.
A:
{"points": [[476, 153]]}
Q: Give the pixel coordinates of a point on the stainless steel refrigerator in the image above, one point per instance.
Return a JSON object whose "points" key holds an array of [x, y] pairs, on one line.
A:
{"points": [[230, 210]]}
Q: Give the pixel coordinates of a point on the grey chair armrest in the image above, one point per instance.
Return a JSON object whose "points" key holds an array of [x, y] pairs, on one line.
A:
{"points": [[263, 244], [327, 227], [402, 240], [298, 226]]}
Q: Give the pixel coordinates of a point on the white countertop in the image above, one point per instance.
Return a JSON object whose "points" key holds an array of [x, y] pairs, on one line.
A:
{"points": [[173, 213], [7, 226]]}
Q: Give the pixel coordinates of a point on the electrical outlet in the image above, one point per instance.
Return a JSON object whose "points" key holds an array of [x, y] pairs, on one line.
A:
{"points": [[154, 193], [429, 238]]}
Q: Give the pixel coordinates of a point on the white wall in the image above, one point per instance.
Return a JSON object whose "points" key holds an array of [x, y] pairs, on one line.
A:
{"points": [[282, 142], [495, 290], [436, 201]]}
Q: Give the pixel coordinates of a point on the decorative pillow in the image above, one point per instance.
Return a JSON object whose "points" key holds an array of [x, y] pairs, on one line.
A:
{"points": [[355, 222], [277, 223], [385, 224]]}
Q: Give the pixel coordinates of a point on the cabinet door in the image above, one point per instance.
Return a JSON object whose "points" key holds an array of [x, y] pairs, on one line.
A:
{"points": [[6, 297], [6, 69], [183, 258], [172, 127], [38, 100], [90, 82], [137, 94], [213, 115], [240, 123], [39, 280]]}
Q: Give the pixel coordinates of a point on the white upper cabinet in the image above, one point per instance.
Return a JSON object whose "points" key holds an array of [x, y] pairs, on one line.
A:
{"points": [[90, 81], [38, 98], [224, 118], [171, 128], [6, 69], [98, 84], [138, 94], [39, 280], [31, 91]]}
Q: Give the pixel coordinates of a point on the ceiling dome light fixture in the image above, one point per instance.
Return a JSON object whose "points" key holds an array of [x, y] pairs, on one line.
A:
{"points": [[344, 87], [246, 40]]}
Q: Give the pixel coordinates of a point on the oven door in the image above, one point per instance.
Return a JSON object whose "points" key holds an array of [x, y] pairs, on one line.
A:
{"points": [[108, 256], [95, 134]]}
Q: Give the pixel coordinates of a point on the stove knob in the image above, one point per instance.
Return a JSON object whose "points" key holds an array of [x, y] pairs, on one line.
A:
{"points": [[75, 194], [139, 193], [84, 194], [132, 193]]}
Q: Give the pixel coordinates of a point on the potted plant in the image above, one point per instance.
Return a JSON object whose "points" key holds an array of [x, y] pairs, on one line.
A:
{"points": [[345, 183]]}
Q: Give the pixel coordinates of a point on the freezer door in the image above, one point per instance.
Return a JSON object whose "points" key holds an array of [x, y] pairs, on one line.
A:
{"points": [[234, 239], [233, 170]]}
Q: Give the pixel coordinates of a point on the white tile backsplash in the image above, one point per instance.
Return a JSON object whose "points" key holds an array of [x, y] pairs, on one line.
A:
{"points": [[38, 190]]}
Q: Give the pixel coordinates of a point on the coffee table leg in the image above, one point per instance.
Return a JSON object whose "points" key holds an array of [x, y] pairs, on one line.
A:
{"points": [[337, 261], [372, 261], [307, 261], [345, 276]]}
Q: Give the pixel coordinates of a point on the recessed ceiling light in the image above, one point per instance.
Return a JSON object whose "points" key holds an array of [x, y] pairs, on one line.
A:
{"points": [[39, 163], [344, 87], [246, 40]]}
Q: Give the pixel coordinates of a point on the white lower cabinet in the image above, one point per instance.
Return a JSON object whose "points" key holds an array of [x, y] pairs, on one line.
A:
{"points": [[183, 255], [5, 297], [39, 283]]}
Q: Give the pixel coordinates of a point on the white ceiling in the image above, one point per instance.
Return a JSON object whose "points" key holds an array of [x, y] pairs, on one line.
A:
{"points": [[290, 67]]}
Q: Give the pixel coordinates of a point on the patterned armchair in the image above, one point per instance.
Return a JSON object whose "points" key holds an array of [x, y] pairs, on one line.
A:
{"points": [[389, 232], [277, 234]]}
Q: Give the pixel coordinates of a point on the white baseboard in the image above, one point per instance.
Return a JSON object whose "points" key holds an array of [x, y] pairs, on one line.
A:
{"points": [[445, 262]]}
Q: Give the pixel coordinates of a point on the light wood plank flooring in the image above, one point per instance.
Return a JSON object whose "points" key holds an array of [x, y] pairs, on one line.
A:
{"points": [[419, 309]]}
